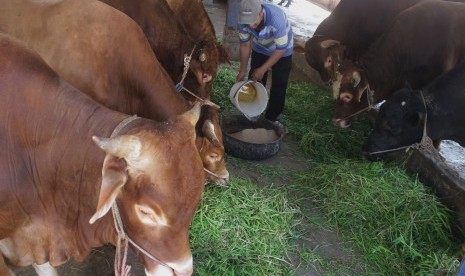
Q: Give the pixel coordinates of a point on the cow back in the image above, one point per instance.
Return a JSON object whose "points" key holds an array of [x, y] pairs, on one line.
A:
{"points": [[171, 46], [423, 42], [348, 32], [105, 54], [197, 23]]}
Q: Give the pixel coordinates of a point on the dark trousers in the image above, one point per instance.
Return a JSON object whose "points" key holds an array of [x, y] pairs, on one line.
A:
{"points": [[279, 79]]}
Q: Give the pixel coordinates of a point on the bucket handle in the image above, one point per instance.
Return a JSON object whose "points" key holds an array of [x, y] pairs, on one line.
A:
{"points": [[239, 88]]}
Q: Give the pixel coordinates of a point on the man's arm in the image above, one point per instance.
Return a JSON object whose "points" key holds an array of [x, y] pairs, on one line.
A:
{"points": [[244, 52]]}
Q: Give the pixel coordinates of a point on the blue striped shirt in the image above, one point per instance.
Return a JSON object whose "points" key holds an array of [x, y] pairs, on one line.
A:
{"points": [[276, 32]]}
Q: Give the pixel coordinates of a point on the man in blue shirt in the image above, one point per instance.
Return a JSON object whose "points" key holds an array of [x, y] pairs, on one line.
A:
{"points": [[266, 38]]}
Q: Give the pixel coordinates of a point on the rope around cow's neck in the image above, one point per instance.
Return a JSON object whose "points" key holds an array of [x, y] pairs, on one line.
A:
{"points": [[121, 269], [425, 140]]}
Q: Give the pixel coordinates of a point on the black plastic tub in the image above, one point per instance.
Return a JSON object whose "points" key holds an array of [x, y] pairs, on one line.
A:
{"points": [[245, 150]]}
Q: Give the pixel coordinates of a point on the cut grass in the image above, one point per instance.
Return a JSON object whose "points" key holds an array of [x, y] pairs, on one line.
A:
{"points": [[396, 224], [244, 230]]}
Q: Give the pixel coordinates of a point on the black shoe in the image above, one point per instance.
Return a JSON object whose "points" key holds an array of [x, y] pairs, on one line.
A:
{"points": [[282, 130]]}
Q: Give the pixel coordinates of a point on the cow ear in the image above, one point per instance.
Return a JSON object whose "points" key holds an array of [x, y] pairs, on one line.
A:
{"points": [[114, 176], [114, 171]]}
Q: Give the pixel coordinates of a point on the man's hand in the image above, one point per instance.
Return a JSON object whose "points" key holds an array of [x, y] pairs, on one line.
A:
{"points": [[258, 73], [240, 76]]}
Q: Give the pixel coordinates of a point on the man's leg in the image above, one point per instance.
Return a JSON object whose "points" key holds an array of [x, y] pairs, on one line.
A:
{"points": [[279, 81]]}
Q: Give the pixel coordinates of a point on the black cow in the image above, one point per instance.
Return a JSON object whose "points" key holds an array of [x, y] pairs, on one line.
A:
{"points": [[401, 119]]}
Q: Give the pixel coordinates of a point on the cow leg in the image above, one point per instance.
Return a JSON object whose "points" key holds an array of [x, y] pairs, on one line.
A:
{"points": [[45, 269], [4, 270]]}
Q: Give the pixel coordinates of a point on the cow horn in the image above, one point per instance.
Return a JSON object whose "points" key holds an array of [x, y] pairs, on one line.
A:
{"points": [[193, 114], [208, 130], [356, 78], [325, 44], [124, 146]]}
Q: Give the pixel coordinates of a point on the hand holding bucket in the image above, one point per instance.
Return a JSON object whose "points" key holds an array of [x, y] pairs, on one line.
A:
{"points": [[249, 97]]}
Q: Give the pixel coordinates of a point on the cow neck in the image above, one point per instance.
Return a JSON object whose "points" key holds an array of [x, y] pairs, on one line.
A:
{"points": [[380, 71], [122, 240]]}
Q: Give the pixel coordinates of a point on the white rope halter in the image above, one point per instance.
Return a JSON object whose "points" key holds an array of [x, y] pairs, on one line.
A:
{"points": [[121, 269]]}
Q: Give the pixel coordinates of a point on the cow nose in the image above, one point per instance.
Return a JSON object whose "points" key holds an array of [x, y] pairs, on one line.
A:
{"points": [[160, 271], [184, 268]]}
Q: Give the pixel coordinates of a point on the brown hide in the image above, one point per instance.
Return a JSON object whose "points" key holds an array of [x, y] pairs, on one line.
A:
{"points": [[424, 42], [52, 172], [170, 42], [105, 54], [195, 18], [354, 25]]}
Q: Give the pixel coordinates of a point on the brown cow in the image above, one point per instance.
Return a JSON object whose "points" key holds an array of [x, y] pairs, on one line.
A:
{"points": [[424, 41], [195, 18], [57, 187], [105, 54], [171, 46], [349, 31]]}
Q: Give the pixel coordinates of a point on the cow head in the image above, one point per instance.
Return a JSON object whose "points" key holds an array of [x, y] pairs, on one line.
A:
{"points": [[210, 144], [349, 92], [400, 122], [207, 56], [155, 176], [325, 56]]}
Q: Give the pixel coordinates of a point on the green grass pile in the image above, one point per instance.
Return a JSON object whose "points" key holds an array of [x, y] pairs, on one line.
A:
{"points": [[396, 224], [243, 230]]}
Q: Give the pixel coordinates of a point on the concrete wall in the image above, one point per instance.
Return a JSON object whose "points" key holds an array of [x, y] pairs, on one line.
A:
{"points": [[230, 34]]}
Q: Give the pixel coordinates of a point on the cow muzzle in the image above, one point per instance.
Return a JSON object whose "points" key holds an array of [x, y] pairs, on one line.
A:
{"points": [[221, 179], [185, 268]]}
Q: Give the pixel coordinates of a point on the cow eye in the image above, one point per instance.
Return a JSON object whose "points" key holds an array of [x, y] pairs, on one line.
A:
{"points": [[148, 216], [214, 156]]}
